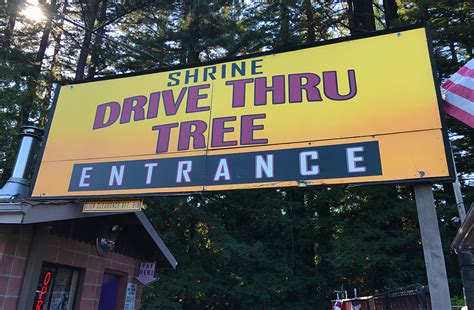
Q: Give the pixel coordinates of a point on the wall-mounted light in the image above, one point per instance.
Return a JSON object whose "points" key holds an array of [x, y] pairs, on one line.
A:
{"points": [[107, 243]]}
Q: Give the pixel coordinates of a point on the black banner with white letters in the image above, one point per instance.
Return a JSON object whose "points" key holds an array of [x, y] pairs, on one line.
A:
{"points": [[309, 163]]}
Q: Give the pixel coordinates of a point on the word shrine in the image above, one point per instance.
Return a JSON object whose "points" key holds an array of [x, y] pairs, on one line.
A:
{"points": [[310, 163]]}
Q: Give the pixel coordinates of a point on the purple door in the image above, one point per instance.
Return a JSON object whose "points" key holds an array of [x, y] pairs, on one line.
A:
{"points": [[109, 292]]}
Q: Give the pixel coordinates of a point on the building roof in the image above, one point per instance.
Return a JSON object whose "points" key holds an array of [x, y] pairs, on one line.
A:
{"points": [[464, 238], [140, 238]]}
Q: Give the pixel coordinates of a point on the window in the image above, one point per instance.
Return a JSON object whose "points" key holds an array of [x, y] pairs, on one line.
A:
{"points": [[56, 289]]}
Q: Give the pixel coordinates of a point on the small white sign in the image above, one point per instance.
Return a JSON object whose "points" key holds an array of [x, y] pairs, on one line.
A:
{"points": [[130, 296]]}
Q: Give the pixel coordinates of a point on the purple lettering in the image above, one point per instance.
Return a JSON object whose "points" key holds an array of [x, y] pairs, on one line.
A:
{"points": [[193, 98], [277, 89], [248, 127], [238, 91], [194, 129], [99, 121], [163, 136], [218, 131], [296, 87], [331, 89], [171, 106], [137, 109], [153, 103]]}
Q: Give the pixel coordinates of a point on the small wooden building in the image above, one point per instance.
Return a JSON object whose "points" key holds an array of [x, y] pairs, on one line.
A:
{"points": [[54, 256]]}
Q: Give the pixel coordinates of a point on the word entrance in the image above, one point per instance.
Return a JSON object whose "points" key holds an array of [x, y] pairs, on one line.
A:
{"points": [[298, 164]]}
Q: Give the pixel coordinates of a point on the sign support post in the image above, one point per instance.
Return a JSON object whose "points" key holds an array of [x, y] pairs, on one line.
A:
{"points": [[458, 195], [432, 248]]}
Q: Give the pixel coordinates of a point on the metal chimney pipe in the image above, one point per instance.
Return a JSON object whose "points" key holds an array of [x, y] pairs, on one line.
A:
{"points": [[30, 138], [18, 185]]}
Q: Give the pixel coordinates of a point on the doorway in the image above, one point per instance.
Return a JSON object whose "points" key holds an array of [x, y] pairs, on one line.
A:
{"points": [[111, 293]]}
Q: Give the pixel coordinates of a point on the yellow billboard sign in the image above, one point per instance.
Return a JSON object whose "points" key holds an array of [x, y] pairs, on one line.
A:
{"points": [[113, 206], [353, 111]]}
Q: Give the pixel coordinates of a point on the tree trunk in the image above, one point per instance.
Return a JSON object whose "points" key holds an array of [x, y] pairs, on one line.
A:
{"points": [[361, 16], [53, 74], [391, 13], [452, 46], [98, 40], [284, 34], [12, 9], [191, 42], [27, 106], [350, 13], [469, 50], [90, 18], [424, 12], [57, 47], [45, 38], [452, 50], [323, 233], [310, 22]]}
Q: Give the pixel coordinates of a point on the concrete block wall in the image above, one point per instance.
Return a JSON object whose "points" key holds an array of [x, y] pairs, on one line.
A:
{"points": [[15, 242]]}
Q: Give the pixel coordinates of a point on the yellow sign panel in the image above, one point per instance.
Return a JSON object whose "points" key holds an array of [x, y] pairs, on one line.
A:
{"points": [[112, 206], [353, 111]]}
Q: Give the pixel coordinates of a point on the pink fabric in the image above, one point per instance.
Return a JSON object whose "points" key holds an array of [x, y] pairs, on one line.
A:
{"points": [[460, 114], [458, 94]]}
